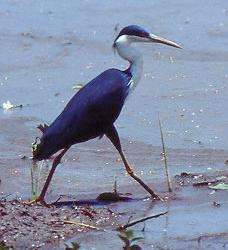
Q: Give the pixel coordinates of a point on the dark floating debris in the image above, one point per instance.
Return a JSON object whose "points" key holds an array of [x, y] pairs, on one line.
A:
{"points": [[112, 197], [102, 199], [24, 157], [184, 174], [28, 34], [216, 204], [201, 180], [204, 183], [67, 43]]}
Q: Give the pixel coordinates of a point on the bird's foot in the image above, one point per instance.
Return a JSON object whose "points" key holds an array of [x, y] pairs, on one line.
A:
{"points": [[39, 201], [156, 197]]}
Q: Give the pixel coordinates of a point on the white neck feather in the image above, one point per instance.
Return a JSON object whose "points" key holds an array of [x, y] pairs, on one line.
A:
{"points": [[124, 49]]}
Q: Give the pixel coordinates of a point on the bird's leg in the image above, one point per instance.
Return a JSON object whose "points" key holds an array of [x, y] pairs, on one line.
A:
{"points": [[55, 163], [131, 173], [114, 138]]}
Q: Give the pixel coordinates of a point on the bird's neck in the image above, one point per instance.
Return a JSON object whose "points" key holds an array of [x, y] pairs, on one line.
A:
{"points": [[133, 56]]}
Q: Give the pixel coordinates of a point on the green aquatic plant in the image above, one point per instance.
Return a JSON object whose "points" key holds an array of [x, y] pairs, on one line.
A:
{"points": [[73, 246], [39, 172], [34, 146], [3, 246], [34, 181], [164, 156], [220, 186], [128, 237]]}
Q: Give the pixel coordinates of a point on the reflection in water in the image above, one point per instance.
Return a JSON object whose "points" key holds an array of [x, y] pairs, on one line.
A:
{"points": [[39, 173]]}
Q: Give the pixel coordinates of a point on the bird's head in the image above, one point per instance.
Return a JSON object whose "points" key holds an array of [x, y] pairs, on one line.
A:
{"points": [[41, 148], [135, 33], [36, 145]]}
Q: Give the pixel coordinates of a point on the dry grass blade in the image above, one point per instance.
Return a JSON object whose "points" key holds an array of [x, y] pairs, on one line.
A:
{"points": [[123, 227], [81, 224], [164, 155]]}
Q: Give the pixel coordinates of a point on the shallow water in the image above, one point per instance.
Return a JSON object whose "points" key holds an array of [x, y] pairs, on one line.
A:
{"points": [[48, 47]]}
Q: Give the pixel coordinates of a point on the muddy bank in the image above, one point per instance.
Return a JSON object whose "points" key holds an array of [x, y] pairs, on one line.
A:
{"points": [[23, 226], [189, 223]]}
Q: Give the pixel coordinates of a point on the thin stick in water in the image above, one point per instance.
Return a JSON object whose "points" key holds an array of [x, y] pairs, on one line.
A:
{"points": [[164, 155], [123, 227]]}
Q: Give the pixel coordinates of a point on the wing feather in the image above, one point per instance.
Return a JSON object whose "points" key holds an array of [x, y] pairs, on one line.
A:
{"points": [[91, 111]]}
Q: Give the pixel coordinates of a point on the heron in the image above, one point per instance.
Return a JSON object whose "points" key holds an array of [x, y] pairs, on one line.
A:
{"points": [[93, 110]]}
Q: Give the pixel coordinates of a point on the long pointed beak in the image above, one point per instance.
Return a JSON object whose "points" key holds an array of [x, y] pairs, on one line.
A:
{"points": [[158, 39]]}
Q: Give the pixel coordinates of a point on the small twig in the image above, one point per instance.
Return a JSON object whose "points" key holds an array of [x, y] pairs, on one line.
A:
{"points": [[129, 219], [81, 224], [123, 227], [164, 155], [115, 187], [60, 197], [144, 226]]}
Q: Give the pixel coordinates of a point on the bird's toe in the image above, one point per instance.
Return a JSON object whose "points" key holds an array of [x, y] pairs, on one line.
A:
{"points": [[37, 201]]}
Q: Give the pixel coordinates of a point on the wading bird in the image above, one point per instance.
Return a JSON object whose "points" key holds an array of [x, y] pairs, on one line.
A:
{"points": [[93, 109]]}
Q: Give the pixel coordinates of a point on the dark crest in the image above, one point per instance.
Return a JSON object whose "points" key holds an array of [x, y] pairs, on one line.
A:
{"points": [[133, 30]]}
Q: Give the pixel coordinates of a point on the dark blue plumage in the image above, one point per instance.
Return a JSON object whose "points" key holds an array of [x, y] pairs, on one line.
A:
{"points": [[88, 114]]}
